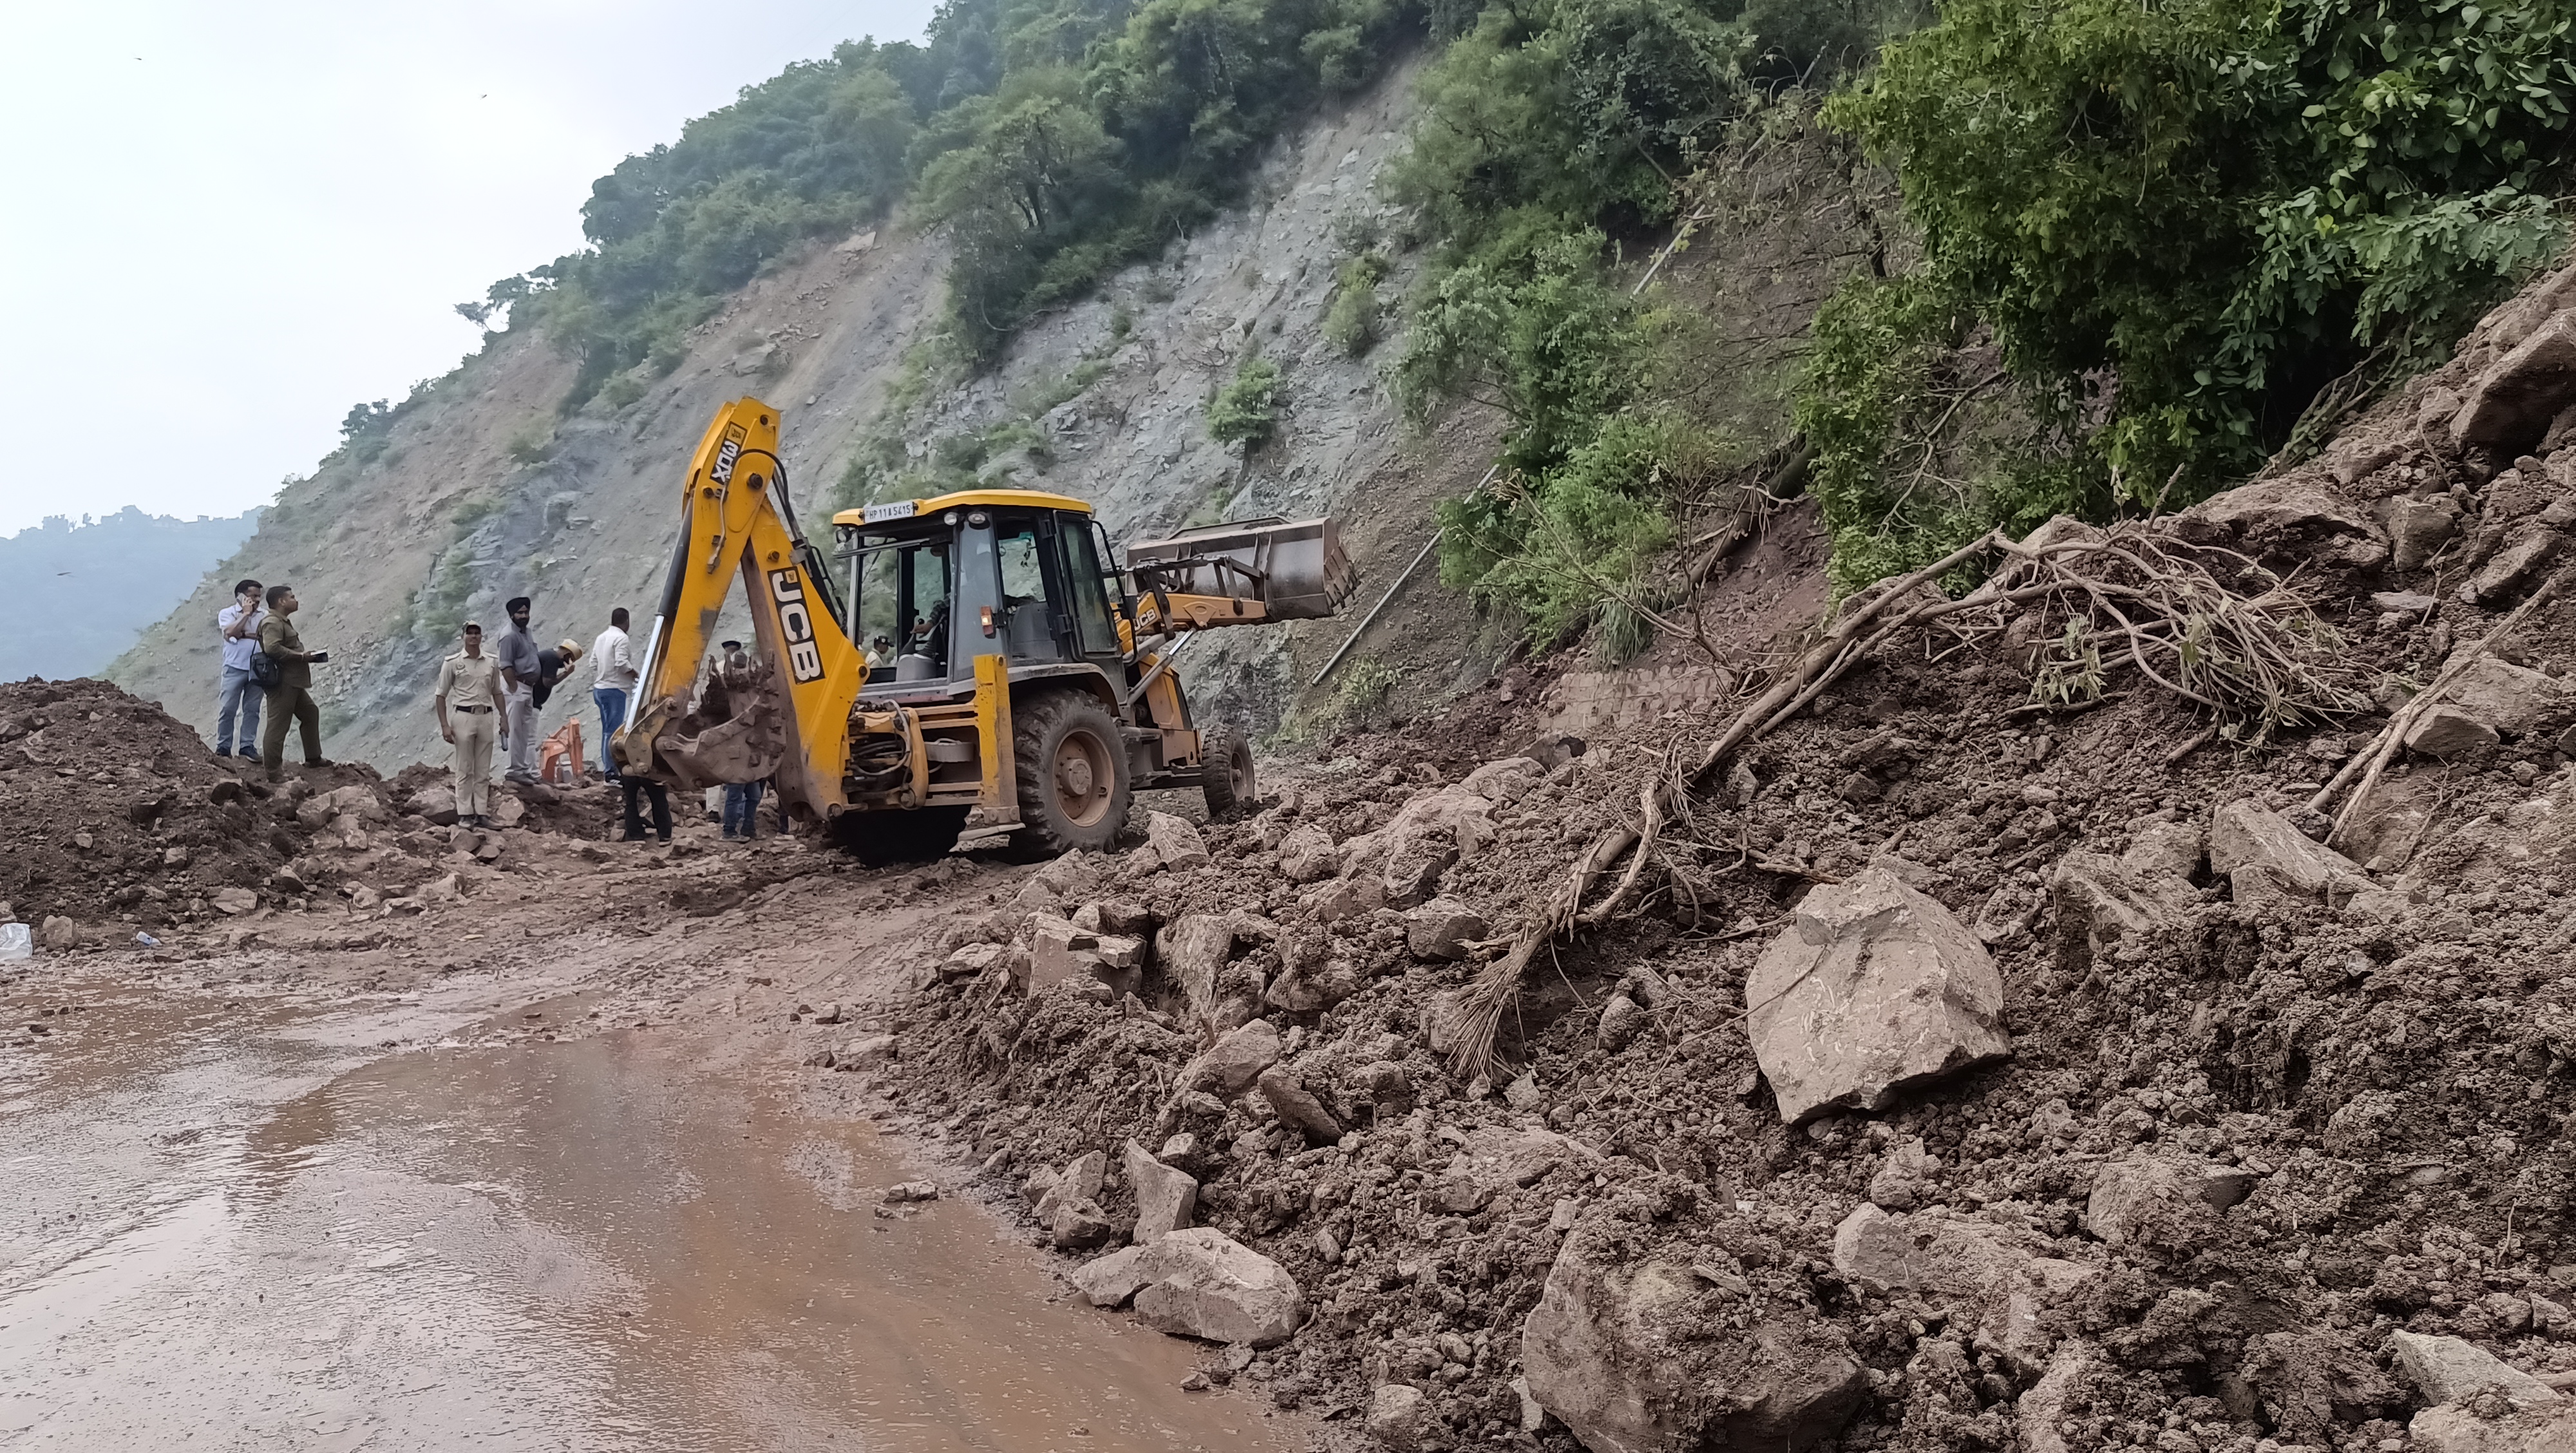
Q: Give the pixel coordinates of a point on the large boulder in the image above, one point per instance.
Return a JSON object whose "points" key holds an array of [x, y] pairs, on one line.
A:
{"points": [[2283, 515], [2508, 699], [2510, 407], [1873, 989], [1307, 855], [1639, 1355], [1201, 1283], [1175, 842], [2248, 841]]}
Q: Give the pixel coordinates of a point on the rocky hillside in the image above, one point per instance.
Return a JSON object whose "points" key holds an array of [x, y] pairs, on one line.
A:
{"points": [[478, 492], [2125, 1007]]}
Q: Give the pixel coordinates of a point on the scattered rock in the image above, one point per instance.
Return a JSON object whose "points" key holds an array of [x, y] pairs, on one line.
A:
{"points": [[2449, 1370], [2509, 408], [1235, 1062], [2510, 700], [2550, 1429], [1905, 1178], [1618, 1349], [1298, 1108], [2163, 1202], [1080, 1225], [1175, 842], [905, 1192], [2446, 731], [1873, 989], [2417, 531], [1398, 1416], [233, 902], [2246, 836], [1307, 855], [1621, 1019], [1165, 1198], [1201, 1283], [864, 1052], [1108, 1281], [1442, 929], [1078, 1181]]}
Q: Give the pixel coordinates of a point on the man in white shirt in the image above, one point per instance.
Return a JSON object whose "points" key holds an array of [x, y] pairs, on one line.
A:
{"points": [[612, 686], [239, 694]]}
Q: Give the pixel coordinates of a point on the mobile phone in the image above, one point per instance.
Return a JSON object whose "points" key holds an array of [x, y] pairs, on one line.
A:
{"points": [[316, 658]]}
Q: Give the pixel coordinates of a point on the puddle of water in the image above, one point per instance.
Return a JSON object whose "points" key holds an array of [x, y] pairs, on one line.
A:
{"points": [[579, 1245]]}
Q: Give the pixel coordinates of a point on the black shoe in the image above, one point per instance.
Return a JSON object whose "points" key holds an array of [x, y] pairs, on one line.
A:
{"points": [[247, 755]]}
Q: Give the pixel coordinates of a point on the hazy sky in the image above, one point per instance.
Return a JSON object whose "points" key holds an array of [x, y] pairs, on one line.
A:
{"points": [[225, 224]]}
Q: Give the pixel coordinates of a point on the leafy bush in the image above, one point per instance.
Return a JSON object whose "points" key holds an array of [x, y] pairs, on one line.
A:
{"points": [[1247, 407], [2180, 220], [1351, 322]]}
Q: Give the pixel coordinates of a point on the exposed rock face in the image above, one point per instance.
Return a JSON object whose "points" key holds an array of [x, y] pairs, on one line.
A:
{"points": [[1632, 1357], [1874, 988], [2449, 1370], [1202, 1283]]}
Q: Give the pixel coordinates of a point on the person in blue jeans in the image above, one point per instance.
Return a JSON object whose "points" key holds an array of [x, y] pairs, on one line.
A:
{"points": [[613, 680], [742, 809], [239, 695]]}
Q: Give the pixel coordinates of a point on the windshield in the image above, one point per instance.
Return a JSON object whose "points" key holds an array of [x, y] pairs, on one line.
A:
{"points": [[899, 597]]}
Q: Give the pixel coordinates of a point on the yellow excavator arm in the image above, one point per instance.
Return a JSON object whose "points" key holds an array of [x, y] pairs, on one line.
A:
{"points": [[787, 716]]}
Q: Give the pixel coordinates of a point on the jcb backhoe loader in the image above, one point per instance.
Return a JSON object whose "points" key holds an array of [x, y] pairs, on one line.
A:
{"points": [[1021, 672]]}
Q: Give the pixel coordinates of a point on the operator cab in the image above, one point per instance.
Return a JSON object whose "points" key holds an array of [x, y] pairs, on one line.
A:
{"points": [[932, 584]]}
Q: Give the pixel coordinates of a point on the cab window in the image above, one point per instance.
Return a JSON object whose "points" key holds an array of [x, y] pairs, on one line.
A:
{"points": [[1090, 595]]}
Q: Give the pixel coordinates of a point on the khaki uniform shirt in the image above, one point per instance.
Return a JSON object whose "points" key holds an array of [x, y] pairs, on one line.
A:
{"points": [[470, 681], [278, 638]]}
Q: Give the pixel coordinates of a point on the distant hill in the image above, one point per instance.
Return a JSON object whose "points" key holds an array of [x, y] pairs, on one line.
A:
{"points": [[99, 582]]}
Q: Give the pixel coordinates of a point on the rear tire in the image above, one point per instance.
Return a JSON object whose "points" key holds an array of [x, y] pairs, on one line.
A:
{"points": [[1070, 763], [1225, 771], [883, 839]]}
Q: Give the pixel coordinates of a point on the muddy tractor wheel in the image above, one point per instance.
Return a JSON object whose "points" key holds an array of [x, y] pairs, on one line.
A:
{"points": [[882, 839], [1226, 771], [1072, 769]]}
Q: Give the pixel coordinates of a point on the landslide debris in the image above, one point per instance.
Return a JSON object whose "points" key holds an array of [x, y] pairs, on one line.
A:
{"points": [[2226, 1116], [119, 822]]}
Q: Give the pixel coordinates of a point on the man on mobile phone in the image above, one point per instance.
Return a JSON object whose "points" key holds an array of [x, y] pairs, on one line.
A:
{"points": [[293, 693], [238, 694]]}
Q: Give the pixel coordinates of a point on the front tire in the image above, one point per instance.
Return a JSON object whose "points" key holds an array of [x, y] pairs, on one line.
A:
{"points": [[884, 839], [1070, 762], [1225, 771]]}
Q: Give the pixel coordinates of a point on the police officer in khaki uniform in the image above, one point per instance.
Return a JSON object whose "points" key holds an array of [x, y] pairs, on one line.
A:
{"points": [[469, 687]]}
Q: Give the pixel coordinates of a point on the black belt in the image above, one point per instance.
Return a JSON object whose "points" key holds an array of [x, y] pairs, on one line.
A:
{"points": [[477, 709]]}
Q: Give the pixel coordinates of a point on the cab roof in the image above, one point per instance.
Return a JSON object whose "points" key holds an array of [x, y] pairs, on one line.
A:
{"points": [[902, 509]]}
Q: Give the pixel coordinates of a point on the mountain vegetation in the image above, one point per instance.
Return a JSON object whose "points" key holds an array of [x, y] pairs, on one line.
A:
{"points": [[2142, 245]]}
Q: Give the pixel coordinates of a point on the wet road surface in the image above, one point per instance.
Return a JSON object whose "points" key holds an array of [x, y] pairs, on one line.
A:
{"points": [[253, 1225]]}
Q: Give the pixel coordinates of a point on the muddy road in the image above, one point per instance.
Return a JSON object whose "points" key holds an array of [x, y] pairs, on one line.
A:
{"points": [[434, 1193]]}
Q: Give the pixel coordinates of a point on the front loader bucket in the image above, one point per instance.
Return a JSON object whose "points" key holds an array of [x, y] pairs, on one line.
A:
{"points": [[737, 733], [1294, 568]]}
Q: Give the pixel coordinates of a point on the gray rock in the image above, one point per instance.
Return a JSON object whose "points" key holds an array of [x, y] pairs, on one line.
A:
{"points": [[1442, 929], [2001, 1273], [1398, 1416], [1078, 1181], [1307, 855], [1234, 1064], [2449, 1370], [2512, 700], [2447, 1429], [1080, 1226], [2417, 531], [2161, 1201], [1175, 842], [1166, 1198], [1202, 1283], [1623, 1351], [974, 960], [2041, 1413], [1108, 1281], [2403, 603], [1193, 951], [1298, 1108], [2246, 834], [2100, 902], [2446, 731], [2286, 509], [2515, 564], [864, 1052], [2510, 407], [1875, 988], [437, 804], [2166, 850], [1621, 1020], [1904, 1179]]}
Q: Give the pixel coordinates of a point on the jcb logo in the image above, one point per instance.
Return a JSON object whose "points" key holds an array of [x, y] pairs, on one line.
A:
{"points": [[796, 624]]}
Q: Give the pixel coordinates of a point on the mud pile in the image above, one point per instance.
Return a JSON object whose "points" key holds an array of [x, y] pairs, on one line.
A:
{"points": [[121, 822], [2277, 1155]]}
